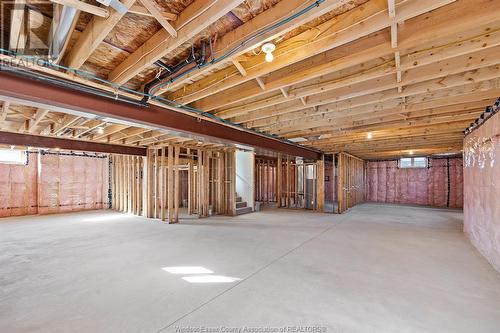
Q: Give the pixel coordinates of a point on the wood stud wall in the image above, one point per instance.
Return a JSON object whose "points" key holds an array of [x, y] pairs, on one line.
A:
{"points": [[126, 183], [278, 180], [266, 180], [150, 186], [350, 181]]}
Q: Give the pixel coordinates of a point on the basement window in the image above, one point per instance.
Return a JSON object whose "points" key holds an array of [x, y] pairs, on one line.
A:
{"points": [[412, 162], [12, 156]]}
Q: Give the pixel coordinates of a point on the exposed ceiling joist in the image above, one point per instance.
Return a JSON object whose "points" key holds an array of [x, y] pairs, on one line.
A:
{"points": [[414, 34], [188, 25], [38, 117], [158, 15], [4, 110], [93, 35], [84, 7], [347, 28], [280, 11], [62, 98]]}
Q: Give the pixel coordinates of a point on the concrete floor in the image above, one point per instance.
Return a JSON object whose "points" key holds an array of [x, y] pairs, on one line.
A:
{"points": [[378, 268]]}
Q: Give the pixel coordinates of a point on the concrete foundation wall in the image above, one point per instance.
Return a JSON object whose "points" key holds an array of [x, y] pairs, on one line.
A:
{"points": [[52, 183], [438, 185], [482, 189]]}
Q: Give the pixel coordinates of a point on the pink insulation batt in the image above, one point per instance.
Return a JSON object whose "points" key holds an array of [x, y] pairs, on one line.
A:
{"points": [[482, 189], [419, 186], [18, 188], [52, 183]]}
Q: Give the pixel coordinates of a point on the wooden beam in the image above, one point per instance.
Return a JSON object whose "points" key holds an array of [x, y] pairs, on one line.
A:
{"points": [[84, 7], [127, 133], [391, 8], [284, 91], [140, 10], [95, 32], [4, 110], [91, 125], [279, 11], [347, 29], [109, 130], [239, 67], [17, 36], [187, 26], [65, 122], [29, 140], [177, 189], [158, 15], [170, 184], [38, 117], [435, 76], [261, 83], [63, 98], [416, 32]]}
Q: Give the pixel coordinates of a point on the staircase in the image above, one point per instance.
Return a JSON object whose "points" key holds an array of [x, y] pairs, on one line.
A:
{"points": [[241, 206]]}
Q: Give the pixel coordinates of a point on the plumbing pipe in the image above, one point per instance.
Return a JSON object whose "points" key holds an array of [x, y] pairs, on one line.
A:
{"points": [[62, 31]]}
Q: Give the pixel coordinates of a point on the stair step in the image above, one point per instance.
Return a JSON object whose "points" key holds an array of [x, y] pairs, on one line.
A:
{"points": [[241, 204], [244, 210]]}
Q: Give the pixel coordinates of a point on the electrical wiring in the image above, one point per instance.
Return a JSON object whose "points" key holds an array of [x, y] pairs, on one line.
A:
{"points": [[90, 76], [165, 101], [256, 35]]}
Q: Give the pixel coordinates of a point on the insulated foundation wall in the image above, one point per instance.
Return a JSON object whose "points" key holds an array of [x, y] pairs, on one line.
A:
{"points": [[440, 184], [482, 189], [53, 183], [18, 188]]}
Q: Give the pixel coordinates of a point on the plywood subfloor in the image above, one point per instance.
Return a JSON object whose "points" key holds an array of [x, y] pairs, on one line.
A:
{"points": [[378, 268]]}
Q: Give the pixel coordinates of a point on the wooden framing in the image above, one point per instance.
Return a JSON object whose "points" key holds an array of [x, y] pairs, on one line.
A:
{"points": [[350, 181], [17, 37], [84, 7], [320, 198], [266, 180], [162, 43], [93, 35], [158, 15], [413, 74], [150, 186], [127, 183]]}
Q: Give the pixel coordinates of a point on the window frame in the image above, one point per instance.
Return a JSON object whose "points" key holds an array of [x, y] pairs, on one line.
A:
{"points": [[24, 156], [413, 164]]}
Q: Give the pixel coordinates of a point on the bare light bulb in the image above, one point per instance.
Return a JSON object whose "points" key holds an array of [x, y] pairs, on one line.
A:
{"points": [[411, 152], [369, 135], [268, 49]]}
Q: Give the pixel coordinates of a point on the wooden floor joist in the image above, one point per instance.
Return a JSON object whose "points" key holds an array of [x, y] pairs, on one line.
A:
{"points": [[369, 78]]}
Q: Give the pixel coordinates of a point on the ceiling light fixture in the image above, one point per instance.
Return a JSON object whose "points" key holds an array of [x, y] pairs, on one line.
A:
{"points": [[268, 49], [369, 135], [410, 152]]}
